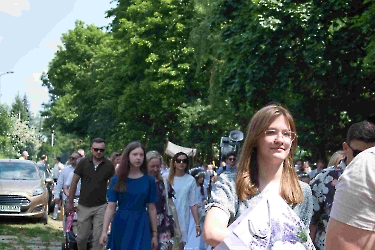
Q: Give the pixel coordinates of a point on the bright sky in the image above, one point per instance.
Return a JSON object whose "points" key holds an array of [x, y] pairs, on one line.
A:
{"points": [[30, 31]]}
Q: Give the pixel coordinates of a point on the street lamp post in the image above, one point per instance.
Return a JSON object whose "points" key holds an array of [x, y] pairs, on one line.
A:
{"points": [[8, 72]]}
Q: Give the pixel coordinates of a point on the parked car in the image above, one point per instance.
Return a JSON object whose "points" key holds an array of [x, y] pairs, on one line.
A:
{"points": [[47, 177], [23, 190]]}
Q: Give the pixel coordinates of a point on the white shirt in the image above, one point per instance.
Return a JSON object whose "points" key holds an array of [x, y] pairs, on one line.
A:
{"points": [[61, 180], [209, 175], [56, 170], [354, 199], [165, 173], [186, 197], [69, 181]]}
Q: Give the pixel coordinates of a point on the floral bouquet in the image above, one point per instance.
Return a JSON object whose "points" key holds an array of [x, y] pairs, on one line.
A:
{"points": [[269, 224]]}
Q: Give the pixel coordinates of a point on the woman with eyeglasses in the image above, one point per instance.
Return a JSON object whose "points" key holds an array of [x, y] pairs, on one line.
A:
{"points": [[186, 199], [265, 164], [165, 222], [135, 193]]}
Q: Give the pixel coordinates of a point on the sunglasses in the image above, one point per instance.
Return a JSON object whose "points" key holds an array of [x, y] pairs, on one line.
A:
{"points": [[231, 159], [181, 160], [355, 151], [99, 149], [118, 154]]}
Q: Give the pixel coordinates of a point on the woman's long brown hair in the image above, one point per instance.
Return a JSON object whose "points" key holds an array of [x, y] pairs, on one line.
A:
{"points": [[172, 169], [123, 169], [247, 182]]}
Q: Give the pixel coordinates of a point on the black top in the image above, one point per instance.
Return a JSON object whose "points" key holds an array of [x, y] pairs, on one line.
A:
{"points": [[94, 182]]}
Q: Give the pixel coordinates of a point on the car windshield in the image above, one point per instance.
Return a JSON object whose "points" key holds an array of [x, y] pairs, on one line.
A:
{"points": [[18, 171]]}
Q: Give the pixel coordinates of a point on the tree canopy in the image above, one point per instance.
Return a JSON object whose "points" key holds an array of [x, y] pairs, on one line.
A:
{"points": [[191, 71]]}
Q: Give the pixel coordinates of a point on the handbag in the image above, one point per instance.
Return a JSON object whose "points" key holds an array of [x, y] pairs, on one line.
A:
{"points": [[171, 210]]}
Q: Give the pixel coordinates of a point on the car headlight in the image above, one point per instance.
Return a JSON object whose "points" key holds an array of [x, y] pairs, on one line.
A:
{"points": [[38, 191]]}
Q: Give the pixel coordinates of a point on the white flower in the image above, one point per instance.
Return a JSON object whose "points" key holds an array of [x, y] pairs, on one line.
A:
{"points": [[321, 177], [281, 245], [315, 188], [328, 179], [316, 204]]}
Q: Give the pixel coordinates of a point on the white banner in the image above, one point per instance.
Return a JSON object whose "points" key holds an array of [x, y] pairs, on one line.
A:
{"points": [[172, 149]]}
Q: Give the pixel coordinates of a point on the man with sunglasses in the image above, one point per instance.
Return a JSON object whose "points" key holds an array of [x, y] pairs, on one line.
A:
{"points": [[360, 137], [230, 165], [352, 223], [95, 172], [63, 176]]}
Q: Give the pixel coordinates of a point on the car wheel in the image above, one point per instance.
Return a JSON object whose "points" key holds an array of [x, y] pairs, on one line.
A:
{"points": [[44, 219]]}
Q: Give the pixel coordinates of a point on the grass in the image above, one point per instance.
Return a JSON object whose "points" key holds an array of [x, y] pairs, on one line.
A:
{"points": [[27, 230], [4, 245]]}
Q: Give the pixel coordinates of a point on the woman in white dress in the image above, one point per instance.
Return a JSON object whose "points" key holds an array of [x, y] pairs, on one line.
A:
{"points": [[186, 199], [193, 242]]}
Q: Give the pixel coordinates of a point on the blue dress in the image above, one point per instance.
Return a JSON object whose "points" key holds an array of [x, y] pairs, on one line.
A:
{"points": [[130, 227]]}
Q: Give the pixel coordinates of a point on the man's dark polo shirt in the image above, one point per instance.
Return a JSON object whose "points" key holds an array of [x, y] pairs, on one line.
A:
{"points": [[94, 183]]}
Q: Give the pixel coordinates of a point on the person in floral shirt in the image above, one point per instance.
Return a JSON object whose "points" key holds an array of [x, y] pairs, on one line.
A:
{"points": [[323, 186], [165, 224]]}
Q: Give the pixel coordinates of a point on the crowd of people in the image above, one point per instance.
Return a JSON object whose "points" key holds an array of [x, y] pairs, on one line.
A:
{"points": [[135, 200]]}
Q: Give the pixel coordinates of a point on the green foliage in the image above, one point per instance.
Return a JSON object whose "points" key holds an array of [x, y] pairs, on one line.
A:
{"points": [[23, 137], [17, 133], [191, 71], [159, 68], [5, 126], [305, 55], [20, 108]]}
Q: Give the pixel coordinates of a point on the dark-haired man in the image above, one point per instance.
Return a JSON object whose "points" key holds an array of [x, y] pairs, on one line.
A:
{"points": [[319, 167], [300, 168], [352, 223], [94, 171], [57, 168], [360, 136], [230, 163], [42, 163]]}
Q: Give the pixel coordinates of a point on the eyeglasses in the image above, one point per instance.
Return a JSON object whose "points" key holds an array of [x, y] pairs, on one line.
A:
{"points": [[99, 149], [181, 160], [355, 151], [231, 159], [118, 154], [272, 133]]}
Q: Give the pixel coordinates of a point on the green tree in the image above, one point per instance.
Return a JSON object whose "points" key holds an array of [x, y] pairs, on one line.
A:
{"points": [[306, 55], [73, 80], [158, 70], [23, 137], [6, 149], [21, 108]]}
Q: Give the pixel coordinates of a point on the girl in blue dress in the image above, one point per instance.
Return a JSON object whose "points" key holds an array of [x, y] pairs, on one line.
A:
{"points": [[134, 191]]}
